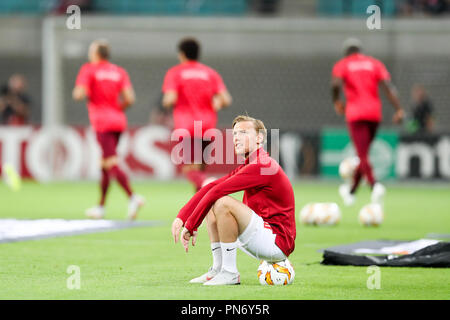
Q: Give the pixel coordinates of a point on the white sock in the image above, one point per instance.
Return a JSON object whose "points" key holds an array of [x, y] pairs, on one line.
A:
{"points": [[217, 255], [229, 256]]}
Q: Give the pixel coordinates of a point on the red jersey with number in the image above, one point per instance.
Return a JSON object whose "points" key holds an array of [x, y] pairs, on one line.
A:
{"points": [[267, 191], [195, 84], [361, 75], [104, 81]]}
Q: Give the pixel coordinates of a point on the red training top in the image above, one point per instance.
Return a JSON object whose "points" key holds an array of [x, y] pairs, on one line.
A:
{"points": [[361, 74], [267, 191], [196, 84], [104, 82]]}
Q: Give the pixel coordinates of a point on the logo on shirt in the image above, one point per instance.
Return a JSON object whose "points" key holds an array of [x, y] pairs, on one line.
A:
{"points": [[360, 65], [194, 74], [107, 75]]}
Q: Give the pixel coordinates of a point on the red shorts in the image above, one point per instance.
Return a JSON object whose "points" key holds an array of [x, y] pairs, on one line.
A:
{"points": [[108, 142], [189, 150]]}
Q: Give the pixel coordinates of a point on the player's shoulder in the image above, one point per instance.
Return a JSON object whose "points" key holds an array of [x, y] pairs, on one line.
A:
{"points": [[200, 66], [266, 166], [377, 62], [86, 69], [175, 69], [263, 160], [116, 67], [208, 68], [341, 62], [87, 66], [338, 67], [371, 58]]}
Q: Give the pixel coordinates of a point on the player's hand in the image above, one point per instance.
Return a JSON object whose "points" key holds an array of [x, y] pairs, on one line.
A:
{"points": [[185, 236], [216, 103], [194, 238], [339, 107], [398, 117], [177, 224]]}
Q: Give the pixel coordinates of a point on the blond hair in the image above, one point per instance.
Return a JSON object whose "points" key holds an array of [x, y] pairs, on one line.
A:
{"points": [[257, 124], [103, 49]]}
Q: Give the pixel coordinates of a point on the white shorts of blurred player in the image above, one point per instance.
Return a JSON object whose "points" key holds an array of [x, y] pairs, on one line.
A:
{"points": [[258, 241]]}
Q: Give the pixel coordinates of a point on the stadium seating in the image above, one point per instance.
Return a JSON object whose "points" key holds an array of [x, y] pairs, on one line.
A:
{"points": [[135, 7], [171, 7], [25, 6], [355, 8]]}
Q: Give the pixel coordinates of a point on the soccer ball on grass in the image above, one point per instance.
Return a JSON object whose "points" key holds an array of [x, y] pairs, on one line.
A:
{"points": [[347, 167], [371, 215], [320, 213], [276, 274]]}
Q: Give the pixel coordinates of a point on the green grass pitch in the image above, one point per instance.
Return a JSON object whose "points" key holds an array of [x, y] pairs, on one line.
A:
{"points": [[144, 263]]}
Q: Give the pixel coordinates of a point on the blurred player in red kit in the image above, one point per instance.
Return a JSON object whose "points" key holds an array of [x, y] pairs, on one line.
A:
{"points": [[196, 93], [262, 225], [360, 75], [109, 92]]}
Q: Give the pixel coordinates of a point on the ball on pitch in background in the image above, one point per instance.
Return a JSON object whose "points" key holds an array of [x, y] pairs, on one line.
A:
{"points": [[348, 166], [308, 213], [208, 181], [321, 213], [276, 274], [371, 215]]}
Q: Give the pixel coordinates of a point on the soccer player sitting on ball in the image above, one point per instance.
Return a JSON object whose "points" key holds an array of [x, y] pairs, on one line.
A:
{"points": [[262, 225]]}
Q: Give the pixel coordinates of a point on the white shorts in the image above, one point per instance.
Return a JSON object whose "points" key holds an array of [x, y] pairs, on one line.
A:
{"points": [[258, 241]]}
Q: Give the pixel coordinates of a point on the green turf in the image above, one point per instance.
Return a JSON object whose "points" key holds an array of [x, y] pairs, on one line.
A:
{"points": [[144, 263]]}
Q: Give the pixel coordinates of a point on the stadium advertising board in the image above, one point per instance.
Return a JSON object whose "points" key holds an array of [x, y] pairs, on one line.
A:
{"points": [[72, 153], [336, 146], [392, 155], [424, 157]]}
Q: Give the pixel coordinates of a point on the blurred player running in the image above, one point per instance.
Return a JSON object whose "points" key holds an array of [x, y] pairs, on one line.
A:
{"points": [[196, 92], [109, 92], [360, 75], [262, 225]]}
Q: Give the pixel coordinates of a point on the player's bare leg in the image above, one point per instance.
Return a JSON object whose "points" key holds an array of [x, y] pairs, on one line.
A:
{"points": [[232, 218], [110, 169], [216, 251], [98, 212]]}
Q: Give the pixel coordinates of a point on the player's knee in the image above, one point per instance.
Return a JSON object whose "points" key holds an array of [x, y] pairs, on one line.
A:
{"points": [[109, 162], [221, 206], [364, 164], [211, 218]]}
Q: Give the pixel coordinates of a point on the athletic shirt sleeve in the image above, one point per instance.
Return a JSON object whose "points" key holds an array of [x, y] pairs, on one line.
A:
{"points": [[125, 81], [218, 84], [338, 70], [84, 77], [382, 72], [189, 208], [249, 176], [170, 81]]}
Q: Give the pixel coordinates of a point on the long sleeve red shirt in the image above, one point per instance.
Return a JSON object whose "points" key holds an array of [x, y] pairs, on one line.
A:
{"points": [[267, 191]]}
